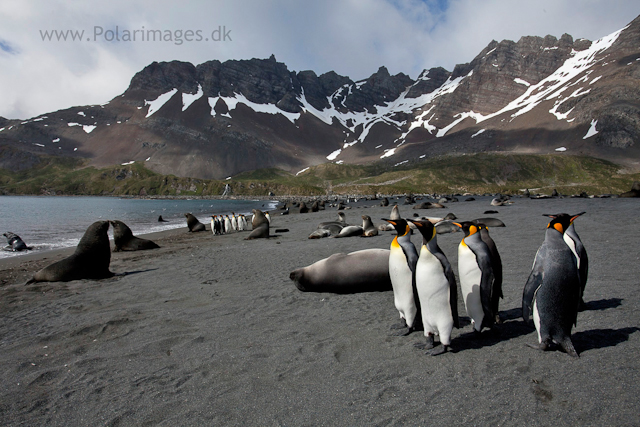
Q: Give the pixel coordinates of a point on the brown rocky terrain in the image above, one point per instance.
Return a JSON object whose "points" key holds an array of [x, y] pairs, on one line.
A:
{"points": [[218, 119]]}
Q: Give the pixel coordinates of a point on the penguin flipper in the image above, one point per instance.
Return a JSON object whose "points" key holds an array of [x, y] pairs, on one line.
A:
{"points": [[533, 283], [453, 295]]}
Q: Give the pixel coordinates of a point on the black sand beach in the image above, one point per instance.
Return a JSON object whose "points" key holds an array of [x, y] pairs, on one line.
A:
{"points": [[211, 331]]}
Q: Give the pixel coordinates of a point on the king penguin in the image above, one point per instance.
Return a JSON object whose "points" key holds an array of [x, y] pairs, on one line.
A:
{"points": [[572, 240], [402, 266], [234, 221], [552, 291], [437, 291], [476, 276], [496, 265]]}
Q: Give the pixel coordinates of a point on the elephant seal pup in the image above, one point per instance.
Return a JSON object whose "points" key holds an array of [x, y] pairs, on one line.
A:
{"points": [[361, 271], [90, 260], [125, 240], [193, 223], [15, 243], [260, 225]]}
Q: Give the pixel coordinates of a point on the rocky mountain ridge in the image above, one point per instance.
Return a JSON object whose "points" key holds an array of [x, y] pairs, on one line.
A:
{"points": [[218, 119]]}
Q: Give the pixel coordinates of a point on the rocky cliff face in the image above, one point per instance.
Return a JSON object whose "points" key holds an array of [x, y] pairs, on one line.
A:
{"points": [[217, 119]]}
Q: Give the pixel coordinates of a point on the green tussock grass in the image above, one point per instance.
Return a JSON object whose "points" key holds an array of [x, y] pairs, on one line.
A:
{"points": [[477, 173]]}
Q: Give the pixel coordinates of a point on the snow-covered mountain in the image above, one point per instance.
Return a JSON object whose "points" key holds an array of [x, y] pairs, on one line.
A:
{"points": [[214, 120]]}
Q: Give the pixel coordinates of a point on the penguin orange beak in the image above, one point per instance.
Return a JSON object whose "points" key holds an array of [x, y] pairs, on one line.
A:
{"points": [[390, 221], [455, 223], [576, 216]]}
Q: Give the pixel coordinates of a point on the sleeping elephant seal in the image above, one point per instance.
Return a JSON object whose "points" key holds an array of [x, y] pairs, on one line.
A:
{"points": [[260, 225], [90, 260], [193, 223], [125, 240], [360, 271]]}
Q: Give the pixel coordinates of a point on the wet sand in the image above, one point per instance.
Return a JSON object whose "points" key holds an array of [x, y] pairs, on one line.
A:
{"points": [[211, 331]]}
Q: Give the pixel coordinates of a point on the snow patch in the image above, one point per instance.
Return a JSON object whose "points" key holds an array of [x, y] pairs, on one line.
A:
{"points": [[388, 153], [561, 149], [128, 163], [56, 140], [157, 103], [88, 128], [334, 155], [303, 170], [401, 163], [188, 98], [81, 113], [522, 82], [592, 130], [478, 133]]}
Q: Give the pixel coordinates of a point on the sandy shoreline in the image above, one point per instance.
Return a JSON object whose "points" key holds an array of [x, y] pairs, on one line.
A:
{"points": [[210, 331]]}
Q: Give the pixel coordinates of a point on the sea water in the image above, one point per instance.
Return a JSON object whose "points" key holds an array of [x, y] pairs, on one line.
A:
{"points": [[52, 222]]}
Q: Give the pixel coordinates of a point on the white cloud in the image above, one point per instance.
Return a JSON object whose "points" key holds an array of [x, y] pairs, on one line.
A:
{"points": [[351, 37]]}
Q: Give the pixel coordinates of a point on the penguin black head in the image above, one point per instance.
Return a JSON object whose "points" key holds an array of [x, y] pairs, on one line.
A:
{"points": [[401, 226], [562, 221], [426, 228], [468, 227]]}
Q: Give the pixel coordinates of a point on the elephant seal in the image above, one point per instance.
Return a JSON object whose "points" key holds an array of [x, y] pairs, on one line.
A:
{"points": [[260, 225], [89, 261], [125, 240], [361, 271], [15, 243], [193, 223]]}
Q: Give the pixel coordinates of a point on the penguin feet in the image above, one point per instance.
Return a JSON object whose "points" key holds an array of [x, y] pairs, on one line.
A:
{"points": [[401, 325], [438, 350], [567, 346], [427, 345]]}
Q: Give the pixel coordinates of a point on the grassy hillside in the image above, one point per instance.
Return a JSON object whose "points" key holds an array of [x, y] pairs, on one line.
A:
{"points": [[478, 173]]}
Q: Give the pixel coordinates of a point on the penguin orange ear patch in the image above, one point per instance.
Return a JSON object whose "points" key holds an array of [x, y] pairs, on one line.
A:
{"points": [[559, 227]]}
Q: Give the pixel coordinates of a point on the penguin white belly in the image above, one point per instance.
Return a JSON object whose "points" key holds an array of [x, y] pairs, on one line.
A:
{"points": [[401, 281], [536, 319], [434, 294], [572, 245], [470, 277]]}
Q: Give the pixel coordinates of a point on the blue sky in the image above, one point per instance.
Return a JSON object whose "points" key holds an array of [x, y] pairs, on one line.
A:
{"points": [[351, 37]]}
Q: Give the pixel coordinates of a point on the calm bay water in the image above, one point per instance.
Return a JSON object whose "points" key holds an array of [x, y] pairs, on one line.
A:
{"points": [[57, 221]]}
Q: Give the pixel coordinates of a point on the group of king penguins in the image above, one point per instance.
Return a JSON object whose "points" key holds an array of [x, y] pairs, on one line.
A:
{"points": [[425, 293], [225, 224]]}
